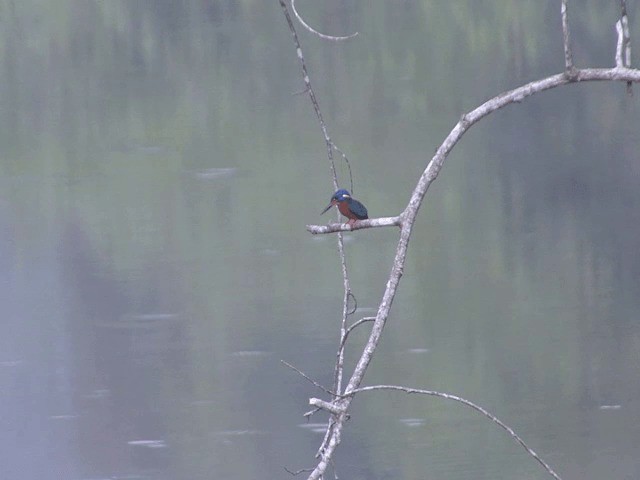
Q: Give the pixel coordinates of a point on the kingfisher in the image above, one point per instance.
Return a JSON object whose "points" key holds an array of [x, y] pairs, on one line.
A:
{"points": [[349, 207]]}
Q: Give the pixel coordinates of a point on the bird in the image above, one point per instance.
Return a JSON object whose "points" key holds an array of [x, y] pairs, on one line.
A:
{"points": [[349, 207]]}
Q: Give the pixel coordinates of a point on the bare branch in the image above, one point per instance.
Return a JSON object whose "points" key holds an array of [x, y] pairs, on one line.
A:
{"points": [[310, 91], [327, 452], [346, 161], [327, 435], [566, 37], [409, 215], [341, 403], [468, 403], [624, 19], [331, 407], [344, 334], [326, 390], [433, 169], [623, 50], [321, 35], [352, 327], [358, 225], [619, 61]]}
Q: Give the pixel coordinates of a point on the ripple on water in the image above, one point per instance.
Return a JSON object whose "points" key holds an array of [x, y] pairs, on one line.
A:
{"points": [[412, 422], [10, 363], [236, 433], [214, 173], [148, 443], [250, 353], [417, 351]]}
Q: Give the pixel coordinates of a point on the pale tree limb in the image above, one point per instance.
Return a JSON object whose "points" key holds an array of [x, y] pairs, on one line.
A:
{"points": [[359, 224], [340, 404], [566, 39], [623, 47], [315, 32]]}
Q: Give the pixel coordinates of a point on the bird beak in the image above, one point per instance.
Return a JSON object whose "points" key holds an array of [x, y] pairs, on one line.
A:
{"points": [[333, 202]]}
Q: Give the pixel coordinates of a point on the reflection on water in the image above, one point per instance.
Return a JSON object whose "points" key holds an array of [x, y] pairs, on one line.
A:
{"points": [[156, 178]]}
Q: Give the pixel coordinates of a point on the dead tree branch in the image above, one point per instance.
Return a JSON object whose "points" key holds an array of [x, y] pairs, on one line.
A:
{"points": [[360, 224], [566, 39], [411, 211], [353, 327], [339, 406]]}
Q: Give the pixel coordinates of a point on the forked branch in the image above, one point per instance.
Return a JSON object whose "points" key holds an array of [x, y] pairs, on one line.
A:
{"points": [[340, 403]]}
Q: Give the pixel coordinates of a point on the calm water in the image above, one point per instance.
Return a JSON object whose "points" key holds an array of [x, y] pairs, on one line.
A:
{"points": [[156, 175]]}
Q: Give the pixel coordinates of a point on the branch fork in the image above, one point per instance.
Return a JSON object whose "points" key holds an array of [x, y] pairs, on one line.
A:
{"points": [[331, 407]]}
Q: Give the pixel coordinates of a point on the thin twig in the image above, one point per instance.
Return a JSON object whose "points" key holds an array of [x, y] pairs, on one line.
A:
{"points": [[355, 304], [346, 160], [339, 367], [352, 327], [310, 413], [321, 35], [310, 91], [330, 145], [298, 472], [321, 387], [326, 435], [468, 403]]}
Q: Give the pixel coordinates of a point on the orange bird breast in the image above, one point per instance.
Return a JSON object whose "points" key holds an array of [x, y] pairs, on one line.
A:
{"points": [[352, 209]]}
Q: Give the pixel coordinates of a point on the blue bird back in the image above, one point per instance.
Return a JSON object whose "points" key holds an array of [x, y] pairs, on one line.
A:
{"points": [[358, 209]]}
